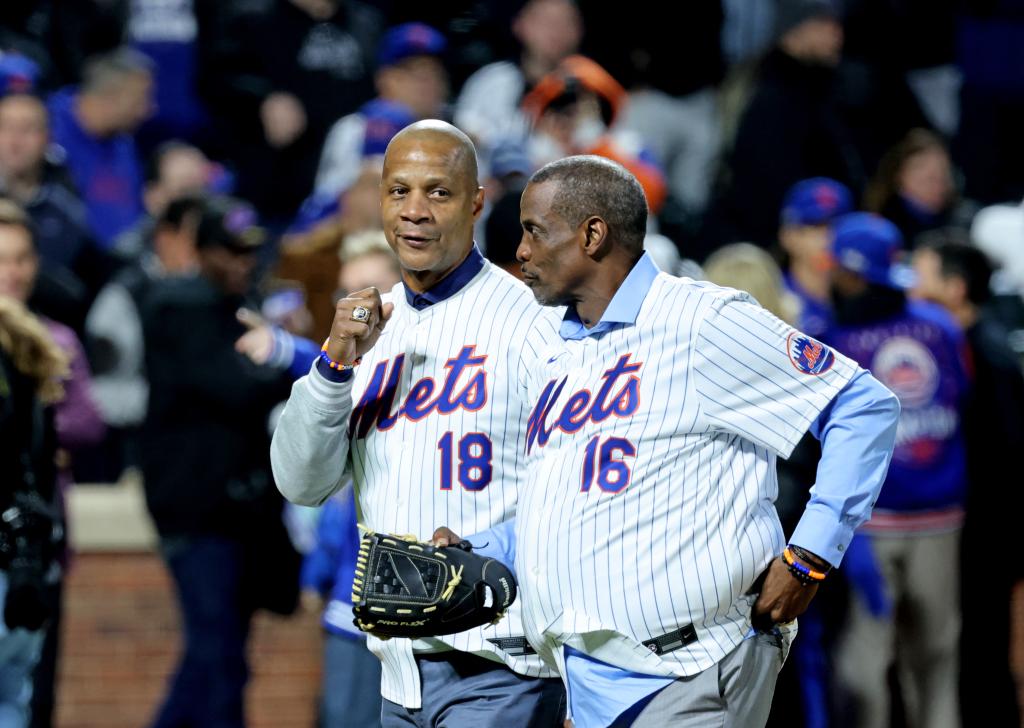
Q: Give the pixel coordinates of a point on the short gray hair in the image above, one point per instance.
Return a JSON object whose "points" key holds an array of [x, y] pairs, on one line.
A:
{"points": [[105, 71], [590, 185]]}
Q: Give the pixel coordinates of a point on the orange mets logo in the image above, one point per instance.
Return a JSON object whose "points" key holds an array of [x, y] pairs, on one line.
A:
{"points": [[808, 355]]}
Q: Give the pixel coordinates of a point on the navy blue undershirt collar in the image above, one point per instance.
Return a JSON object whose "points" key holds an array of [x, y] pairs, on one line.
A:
{"points": [[450, 284]]}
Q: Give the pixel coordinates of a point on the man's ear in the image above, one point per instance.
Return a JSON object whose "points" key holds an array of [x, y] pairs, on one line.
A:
{"points": [[478, 203], [594, 231]]}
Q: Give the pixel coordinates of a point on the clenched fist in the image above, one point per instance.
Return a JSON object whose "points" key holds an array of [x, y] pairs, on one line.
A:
{"points": [[350, 337]]}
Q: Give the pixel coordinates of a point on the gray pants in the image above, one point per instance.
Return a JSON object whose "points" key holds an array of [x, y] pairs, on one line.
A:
{"points": [[921, 575], [466, 691], [735, 693], [351, 684]]}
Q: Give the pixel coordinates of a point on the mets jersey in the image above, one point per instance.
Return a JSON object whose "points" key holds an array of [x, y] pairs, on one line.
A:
{"points": [[647, 514], [919, 355], [431, 425]]}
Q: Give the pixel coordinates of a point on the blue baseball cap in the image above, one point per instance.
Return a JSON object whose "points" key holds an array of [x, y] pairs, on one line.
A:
{"points": [[869, 245], [408, 40], [509, 157], [384, 119], [18, 74], [816, 201]]}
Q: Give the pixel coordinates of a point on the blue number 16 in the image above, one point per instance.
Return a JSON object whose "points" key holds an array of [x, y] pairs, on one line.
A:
{"points": [[612, 473]]}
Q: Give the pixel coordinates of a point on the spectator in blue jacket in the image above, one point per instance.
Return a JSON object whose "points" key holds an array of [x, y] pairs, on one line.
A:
{"points": [[808, 209], [168, 34], [94, 124], [917, 350]]}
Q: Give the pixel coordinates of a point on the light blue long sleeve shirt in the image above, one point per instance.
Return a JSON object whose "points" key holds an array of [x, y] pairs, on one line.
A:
{"points": [[857, 431]]}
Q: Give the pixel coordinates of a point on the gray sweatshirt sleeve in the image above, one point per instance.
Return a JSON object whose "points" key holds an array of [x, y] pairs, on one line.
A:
{"points": [[309, 449]]}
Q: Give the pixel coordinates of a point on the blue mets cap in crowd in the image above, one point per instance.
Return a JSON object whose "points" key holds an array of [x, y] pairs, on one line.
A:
{"points": [[384, 119], [869, 245], [18, 74], [816, 201], [509, 157], [408, 40]]}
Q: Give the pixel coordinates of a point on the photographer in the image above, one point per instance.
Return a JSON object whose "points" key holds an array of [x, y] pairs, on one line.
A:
{"points": [[31, 367]]}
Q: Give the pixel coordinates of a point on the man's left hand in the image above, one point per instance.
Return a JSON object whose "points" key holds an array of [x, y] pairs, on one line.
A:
{"points": [[783, 598]]}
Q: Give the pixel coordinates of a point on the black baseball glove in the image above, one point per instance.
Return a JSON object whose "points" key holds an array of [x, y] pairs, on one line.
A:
{"points": [[407, 588]]}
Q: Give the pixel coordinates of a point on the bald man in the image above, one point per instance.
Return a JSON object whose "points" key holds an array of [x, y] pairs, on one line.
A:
{"points": [[421, 394]]}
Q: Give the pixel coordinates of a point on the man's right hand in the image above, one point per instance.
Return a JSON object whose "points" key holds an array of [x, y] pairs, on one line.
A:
{"points": [[350, 339], [444, 536]]}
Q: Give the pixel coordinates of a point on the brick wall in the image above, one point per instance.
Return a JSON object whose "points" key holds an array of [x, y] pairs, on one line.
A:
{"points": [[121, 643]]}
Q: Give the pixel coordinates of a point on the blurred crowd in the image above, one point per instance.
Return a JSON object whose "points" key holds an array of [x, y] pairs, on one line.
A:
{"points": [[186, 187]]}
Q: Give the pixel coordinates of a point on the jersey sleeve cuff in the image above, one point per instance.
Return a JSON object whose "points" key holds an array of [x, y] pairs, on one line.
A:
{"points": [[338, 376], [820, 533], [497, 542], [283, 350]]}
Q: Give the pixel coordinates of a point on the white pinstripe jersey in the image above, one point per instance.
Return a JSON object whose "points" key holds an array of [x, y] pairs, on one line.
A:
{"points": [[446, 447], [648, 504]]}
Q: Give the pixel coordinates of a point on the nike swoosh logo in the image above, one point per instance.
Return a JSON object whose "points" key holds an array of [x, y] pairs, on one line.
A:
{"points": [[552, 359]]}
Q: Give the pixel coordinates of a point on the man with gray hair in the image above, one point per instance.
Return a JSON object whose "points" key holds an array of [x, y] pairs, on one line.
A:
{"points": [[94, 124], [654, 572]]}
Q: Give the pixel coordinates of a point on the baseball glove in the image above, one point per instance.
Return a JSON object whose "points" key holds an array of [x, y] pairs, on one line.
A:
{"points": [[407, 588]]}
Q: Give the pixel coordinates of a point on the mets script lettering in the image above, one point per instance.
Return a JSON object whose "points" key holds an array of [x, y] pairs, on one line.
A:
{"points": [[619, 395], [464, 387]]}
